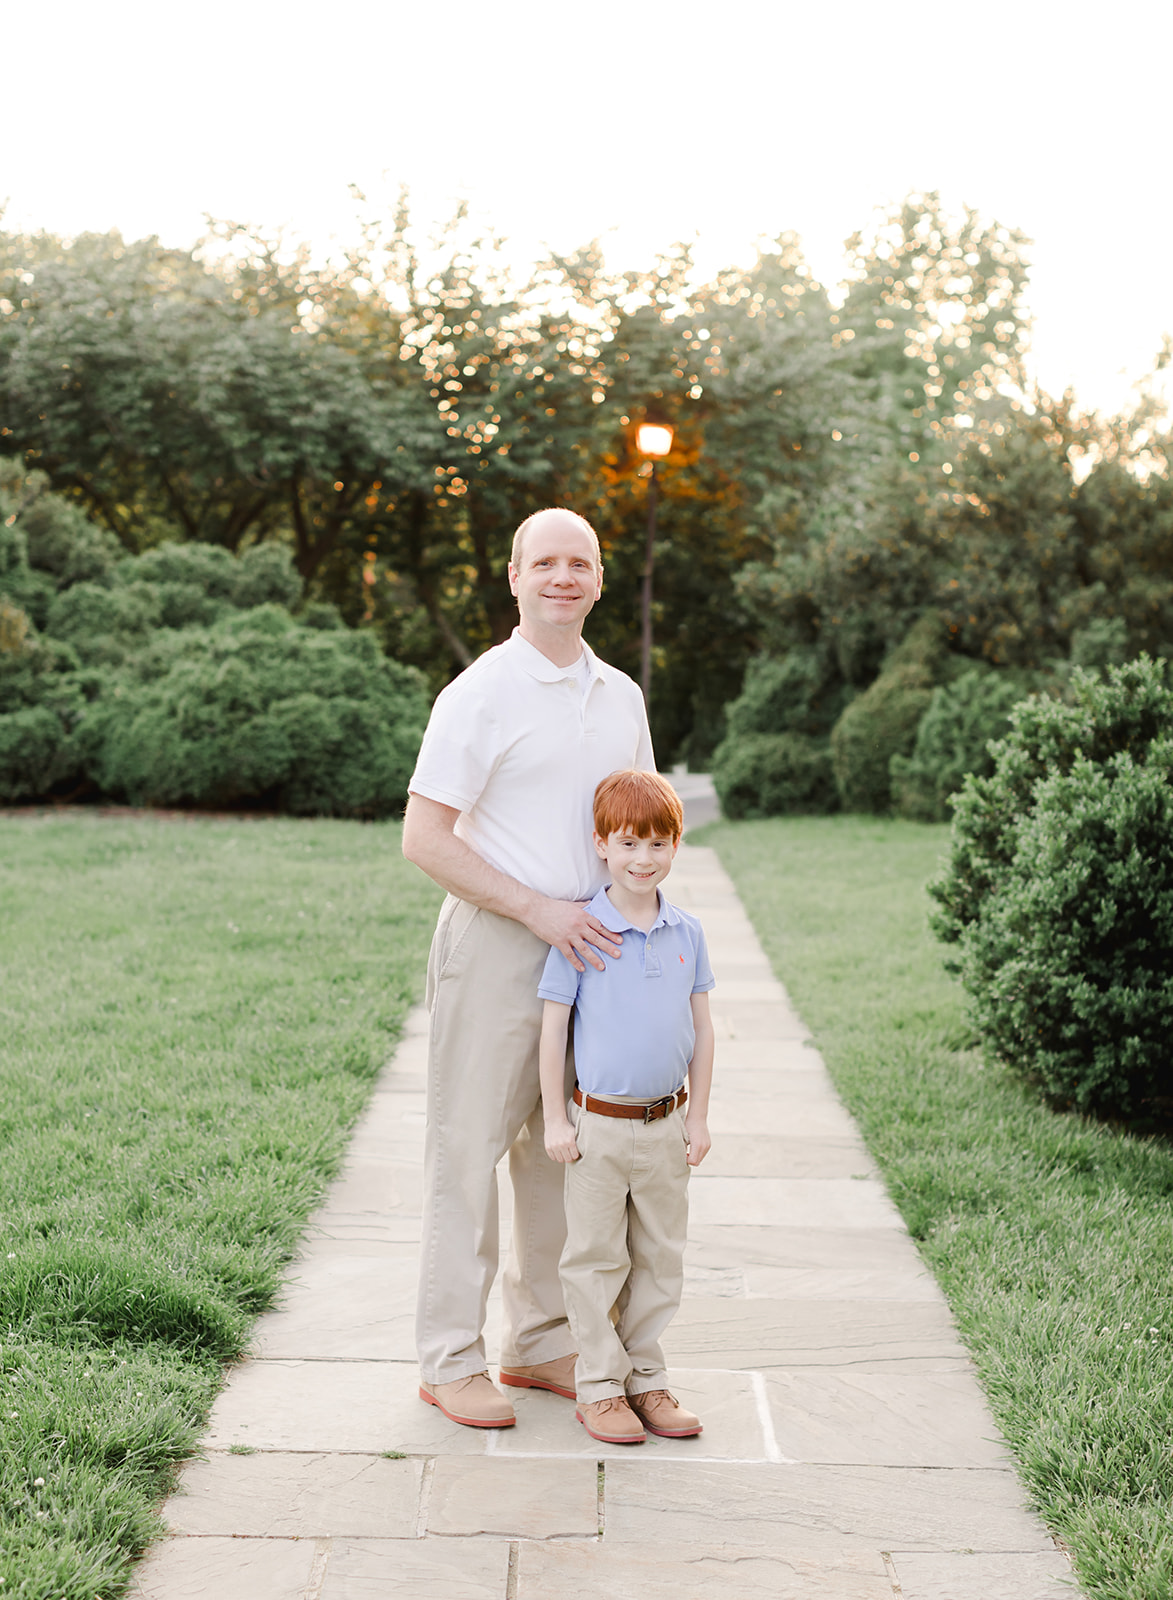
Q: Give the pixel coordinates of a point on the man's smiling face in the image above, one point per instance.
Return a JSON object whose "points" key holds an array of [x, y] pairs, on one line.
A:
{"points": [[557, 581]]}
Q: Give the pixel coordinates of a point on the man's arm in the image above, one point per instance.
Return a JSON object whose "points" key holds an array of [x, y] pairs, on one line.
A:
{"points": [[560, 1145], [430, 841], [700, 1082]]}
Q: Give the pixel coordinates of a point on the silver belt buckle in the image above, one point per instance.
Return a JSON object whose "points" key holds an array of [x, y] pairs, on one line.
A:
{"points": [[667, 1100]]}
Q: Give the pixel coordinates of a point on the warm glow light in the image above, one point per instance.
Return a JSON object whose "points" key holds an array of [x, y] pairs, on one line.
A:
{"points": [[653, 439]]}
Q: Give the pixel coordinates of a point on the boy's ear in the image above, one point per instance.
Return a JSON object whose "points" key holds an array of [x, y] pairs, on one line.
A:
{"points": [[600, 844]]}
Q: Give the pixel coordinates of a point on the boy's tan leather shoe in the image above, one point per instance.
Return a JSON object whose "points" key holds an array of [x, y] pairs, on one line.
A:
{"points": [[557, 1376], [611, 1421], [661, 1412], [475, 1401]]}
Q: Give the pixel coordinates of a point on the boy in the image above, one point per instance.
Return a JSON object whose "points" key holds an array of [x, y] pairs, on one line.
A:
{"points": [[640, 1028]]}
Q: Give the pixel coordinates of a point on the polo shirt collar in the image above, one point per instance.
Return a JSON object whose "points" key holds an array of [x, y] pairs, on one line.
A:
{"points": [[541, 667], [607, 914]]}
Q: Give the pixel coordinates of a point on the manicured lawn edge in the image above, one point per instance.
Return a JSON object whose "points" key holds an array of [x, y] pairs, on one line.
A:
{"points": [[192, 1016], [1052, 1236]]}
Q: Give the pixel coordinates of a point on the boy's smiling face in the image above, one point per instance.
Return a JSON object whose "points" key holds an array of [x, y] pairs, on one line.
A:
{"points": [[637, 866]]}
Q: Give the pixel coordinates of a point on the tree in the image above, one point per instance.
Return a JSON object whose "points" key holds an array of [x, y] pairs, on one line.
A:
{"points": [[933, 314]]}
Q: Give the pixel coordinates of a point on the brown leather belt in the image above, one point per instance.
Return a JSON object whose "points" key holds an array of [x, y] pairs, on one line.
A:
{"points": [[650, 1113]]}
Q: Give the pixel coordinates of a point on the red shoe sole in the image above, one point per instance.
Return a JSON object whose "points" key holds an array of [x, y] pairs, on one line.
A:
{"points": [[675, 1433], [468, 1422], [604, 1438], [510, 1382]]}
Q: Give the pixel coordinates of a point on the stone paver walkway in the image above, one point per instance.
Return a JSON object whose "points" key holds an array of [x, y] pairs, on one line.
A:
{"points": [[848, 1453]]}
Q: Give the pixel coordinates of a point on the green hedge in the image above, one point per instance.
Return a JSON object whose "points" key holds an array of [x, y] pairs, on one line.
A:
{"points": [[773, 774], [775, 758], [260, 709], [1059, 894], [180, 677], [952, 741], [882, 723]]}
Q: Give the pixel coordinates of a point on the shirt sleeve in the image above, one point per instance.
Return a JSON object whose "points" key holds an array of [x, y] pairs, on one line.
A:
{"points": [[460, 748], [645, 758], [559, 980], [703, 979]]}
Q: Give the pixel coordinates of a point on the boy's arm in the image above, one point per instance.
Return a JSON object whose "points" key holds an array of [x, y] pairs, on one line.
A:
{"points": [[560, 1145], [700, 1082]]}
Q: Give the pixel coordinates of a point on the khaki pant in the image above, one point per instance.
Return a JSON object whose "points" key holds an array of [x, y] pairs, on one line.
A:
{"points": [[626, 1224], [484, 1099]]}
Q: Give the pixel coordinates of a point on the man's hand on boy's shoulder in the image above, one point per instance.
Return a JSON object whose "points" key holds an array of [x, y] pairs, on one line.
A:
{"points": [[560, 1145], [568, 926]]}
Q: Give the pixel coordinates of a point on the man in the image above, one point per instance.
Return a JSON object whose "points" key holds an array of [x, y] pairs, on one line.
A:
{"points": [[500, 817]]}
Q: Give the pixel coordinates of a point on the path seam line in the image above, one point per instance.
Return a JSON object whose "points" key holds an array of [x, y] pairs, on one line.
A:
{"points": [[769, 1439], [322, 1551], [425, 1499]]}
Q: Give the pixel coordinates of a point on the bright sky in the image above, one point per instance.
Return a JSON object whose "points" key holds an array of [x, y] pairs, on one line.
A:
{"points": [[641, 123]]}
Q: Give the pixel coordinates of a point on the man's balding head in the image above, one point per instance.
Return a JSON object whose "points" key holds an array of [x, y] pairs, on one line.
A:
{"points": [[553, 518]]}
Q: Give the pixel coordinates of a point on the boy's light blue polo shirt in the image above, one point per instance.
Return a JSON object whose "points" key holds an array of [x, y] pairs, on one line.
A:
{"points": [[633, 1032]]}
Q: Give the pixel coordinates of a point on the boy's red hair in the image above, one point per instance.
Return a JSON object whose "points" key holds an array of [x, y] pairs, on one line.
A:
{"points": [[642, 803]]}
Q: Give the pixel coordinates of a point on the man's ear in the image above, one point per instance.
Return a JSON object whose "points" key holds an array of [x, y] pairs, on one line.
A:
{"points": [[512, 579]]}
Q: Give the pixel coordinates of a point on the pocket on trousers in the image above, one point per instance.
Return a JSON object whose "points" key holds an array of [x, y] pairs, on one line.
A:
{"points": [[683, 1134], [579, 1120], [459, 925]]}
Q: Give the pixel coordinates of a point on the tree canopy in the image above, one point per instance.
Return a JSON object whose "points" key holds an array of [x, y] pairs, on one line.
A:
{"points": [[839, 468]]}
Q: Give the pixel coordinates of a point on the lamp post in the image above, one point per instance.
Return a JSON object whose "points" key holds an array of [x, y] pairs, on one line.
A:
{"points": [[653, 440]]}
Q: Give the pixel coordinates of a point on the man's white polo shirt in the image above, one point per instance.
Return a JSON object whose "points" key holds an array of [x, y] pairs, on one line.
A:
{"points": [[518, 747]]}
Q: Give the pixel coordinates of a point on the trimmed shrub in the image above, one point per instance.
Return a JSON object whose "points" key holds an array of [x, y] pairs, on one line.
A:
{"points": [[178, 677], [882, 722], [1103, 642], [210, 567], [25, 590], [105, 625], [43, 697], [263, 575], [46, 542], [774, 758], [952, 740], [771, 774], [795, 693], [63, 542], [321, 614], [1127, 711], [30, 742], [1059, 893], [259, 710]]}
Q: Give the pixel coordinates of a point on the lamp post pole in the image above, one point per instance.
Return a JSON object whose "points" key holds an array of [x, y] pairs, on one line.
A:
{"points": [[646, 596], [653, 441]]}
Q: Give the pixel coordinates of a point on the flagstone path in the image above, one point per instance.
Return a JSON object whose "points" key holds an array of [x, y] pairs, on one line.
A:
{"points": [[847, 1453]]}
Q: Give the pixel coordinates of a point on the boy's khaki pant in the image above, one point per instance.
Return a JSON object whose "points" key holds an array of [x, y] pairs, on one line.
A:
{"points": [[484, 1099], [626, 1224]]}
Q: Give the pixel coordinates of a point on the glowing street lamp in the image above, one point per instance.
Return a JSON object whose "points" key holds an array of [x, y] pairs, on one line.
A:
{"points": [[653, 440]]}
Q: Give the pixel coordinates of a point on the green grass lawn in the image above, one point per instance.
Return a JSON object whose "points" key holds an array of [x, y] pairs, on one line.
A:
{"points": [[1051, 1236], [191, 1017]]}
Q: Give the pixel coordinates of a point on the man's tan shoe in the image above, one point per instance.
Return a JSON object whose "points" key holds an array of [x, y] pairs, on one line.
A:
{"points": [[474, 1401], [661, 1412], [611, 1421], [557, 1376]]}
